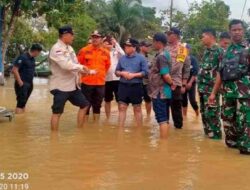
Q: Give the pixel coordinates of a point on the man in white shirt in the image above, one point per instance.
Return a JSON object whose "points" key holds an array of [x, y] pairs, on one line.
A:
{"points": [[112, 81], [65, 78]]}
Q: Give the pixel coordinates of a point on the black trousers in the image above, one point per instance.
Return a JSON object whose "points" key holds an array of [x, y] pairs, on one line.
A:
{"points": [[191, 96], [176, 107], [23, 93], [95, 95]]}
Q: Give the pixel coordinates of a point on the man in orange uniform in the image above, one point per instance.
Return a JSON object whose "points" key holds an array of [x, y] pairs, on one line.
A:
{"points": [[97, 59]]}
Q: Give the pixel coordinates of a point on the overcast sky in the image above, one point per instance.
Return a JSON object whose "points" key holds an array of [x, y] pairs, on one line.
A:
{"points": [[236, 6]]}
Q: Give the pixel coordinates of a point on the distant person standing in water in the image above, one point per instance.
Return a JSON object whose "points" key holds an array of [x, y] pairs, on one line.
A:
{"points": [[160, 83], [97, 58], [190, 93], [112, 81], [24, 70], [180, 70], [131, 69], [144, 50]]}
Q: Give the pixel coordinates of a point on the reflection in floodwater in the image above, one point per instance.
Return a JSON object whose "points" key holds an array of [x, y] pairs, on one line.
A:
{"points": [[103, 156]]}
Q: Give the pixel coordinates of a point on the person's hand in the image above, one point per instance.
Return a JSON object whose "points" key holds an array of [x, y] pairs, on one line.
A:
{"points": [[188, 86], [124, 74], [130, 76], [183, 90], [211, 99], [173, 87], [92, 72], [113, 41], [21, 83], [84, 70]]}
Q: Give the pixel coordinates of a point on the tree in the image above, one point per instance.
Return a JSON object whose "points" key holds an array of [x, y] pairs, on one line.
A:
{"points": [[207, 14], [10, 10], [179, 19], [73, 14], [124, 18]]}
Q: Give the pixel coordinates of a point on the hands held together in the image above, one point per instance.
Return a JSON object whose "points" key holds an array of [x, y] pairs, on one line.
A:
{"points": [[127, 75]]}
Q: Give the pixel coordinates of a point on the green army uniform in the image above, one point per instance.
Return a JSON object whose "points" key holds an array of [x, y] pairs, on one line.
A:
{"points": [[210, 114], [235, 74]]}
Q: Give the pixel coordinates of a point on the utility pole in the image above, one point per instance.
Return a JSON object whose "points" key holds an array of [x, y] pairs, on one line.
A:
{"points": [[171, 13]]}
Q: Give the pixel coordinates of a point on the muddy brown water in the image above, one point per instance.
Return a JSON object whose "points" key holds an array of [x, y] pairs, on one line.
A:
{"points": [[101, 156]]}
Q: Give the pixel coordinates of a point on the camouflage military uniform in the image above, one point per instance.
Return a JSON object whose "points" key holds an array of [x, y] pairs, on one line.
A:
{"points": [[236, 103], [206, 78]]}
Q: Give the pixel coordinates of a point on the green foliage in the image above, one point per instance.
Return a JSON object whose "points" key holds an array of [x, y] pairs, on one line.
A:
{"points": [[123, 18], [22, 38], [209, 14], [73, 14]]}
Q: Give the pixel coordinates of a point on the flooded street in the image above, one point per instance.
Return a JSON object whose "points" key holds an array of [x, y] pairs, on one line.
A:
{"points": [[101, 156]]}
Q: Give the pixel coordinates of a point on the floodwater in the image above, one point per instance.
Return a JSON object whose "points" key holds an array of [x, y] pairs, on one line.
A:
{"points": [[101, 156]]}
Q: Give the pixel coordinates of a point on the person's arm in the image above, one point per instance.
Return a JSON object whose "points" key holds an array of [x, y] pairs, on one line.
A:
{"points": [[216, 88], [186, 70], [192, 80], [107, 62], [64, 61], [15, 70], [217, 84], [144, 69], [119, 49], [185, 73], [135, 75], [167, 78], [195, 70], [163, 65], [81, 57], [17, 76], [118, 70], [142, 74]]}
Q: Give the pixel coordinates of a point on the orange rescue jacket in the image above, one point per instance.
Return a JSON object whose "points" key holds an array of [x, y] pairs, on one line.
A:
{"points": [[97, 59]]}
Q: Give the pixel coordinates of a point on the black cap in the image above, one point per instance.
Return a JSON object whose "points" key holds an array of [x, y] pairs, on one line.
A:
{"points": [[160, 37], [145, 43], [225, 35], [132, 42], [174, 30], [65, 29], [36, 47]]}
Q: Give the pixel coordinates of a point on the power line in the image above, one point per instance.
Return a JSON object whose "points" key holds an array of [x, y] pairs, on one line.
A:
{"points": [[243, 9]]}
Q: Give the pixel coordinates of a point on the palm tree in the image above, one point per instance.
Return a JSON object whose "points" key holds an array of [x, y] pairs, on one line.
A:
{"points": [[125, 16]]}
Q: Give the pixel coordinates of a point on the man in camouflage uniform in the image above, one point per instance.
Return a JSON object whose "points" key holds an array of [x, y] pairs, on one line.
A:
{"points": [[234, 74], [210, 114]]}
